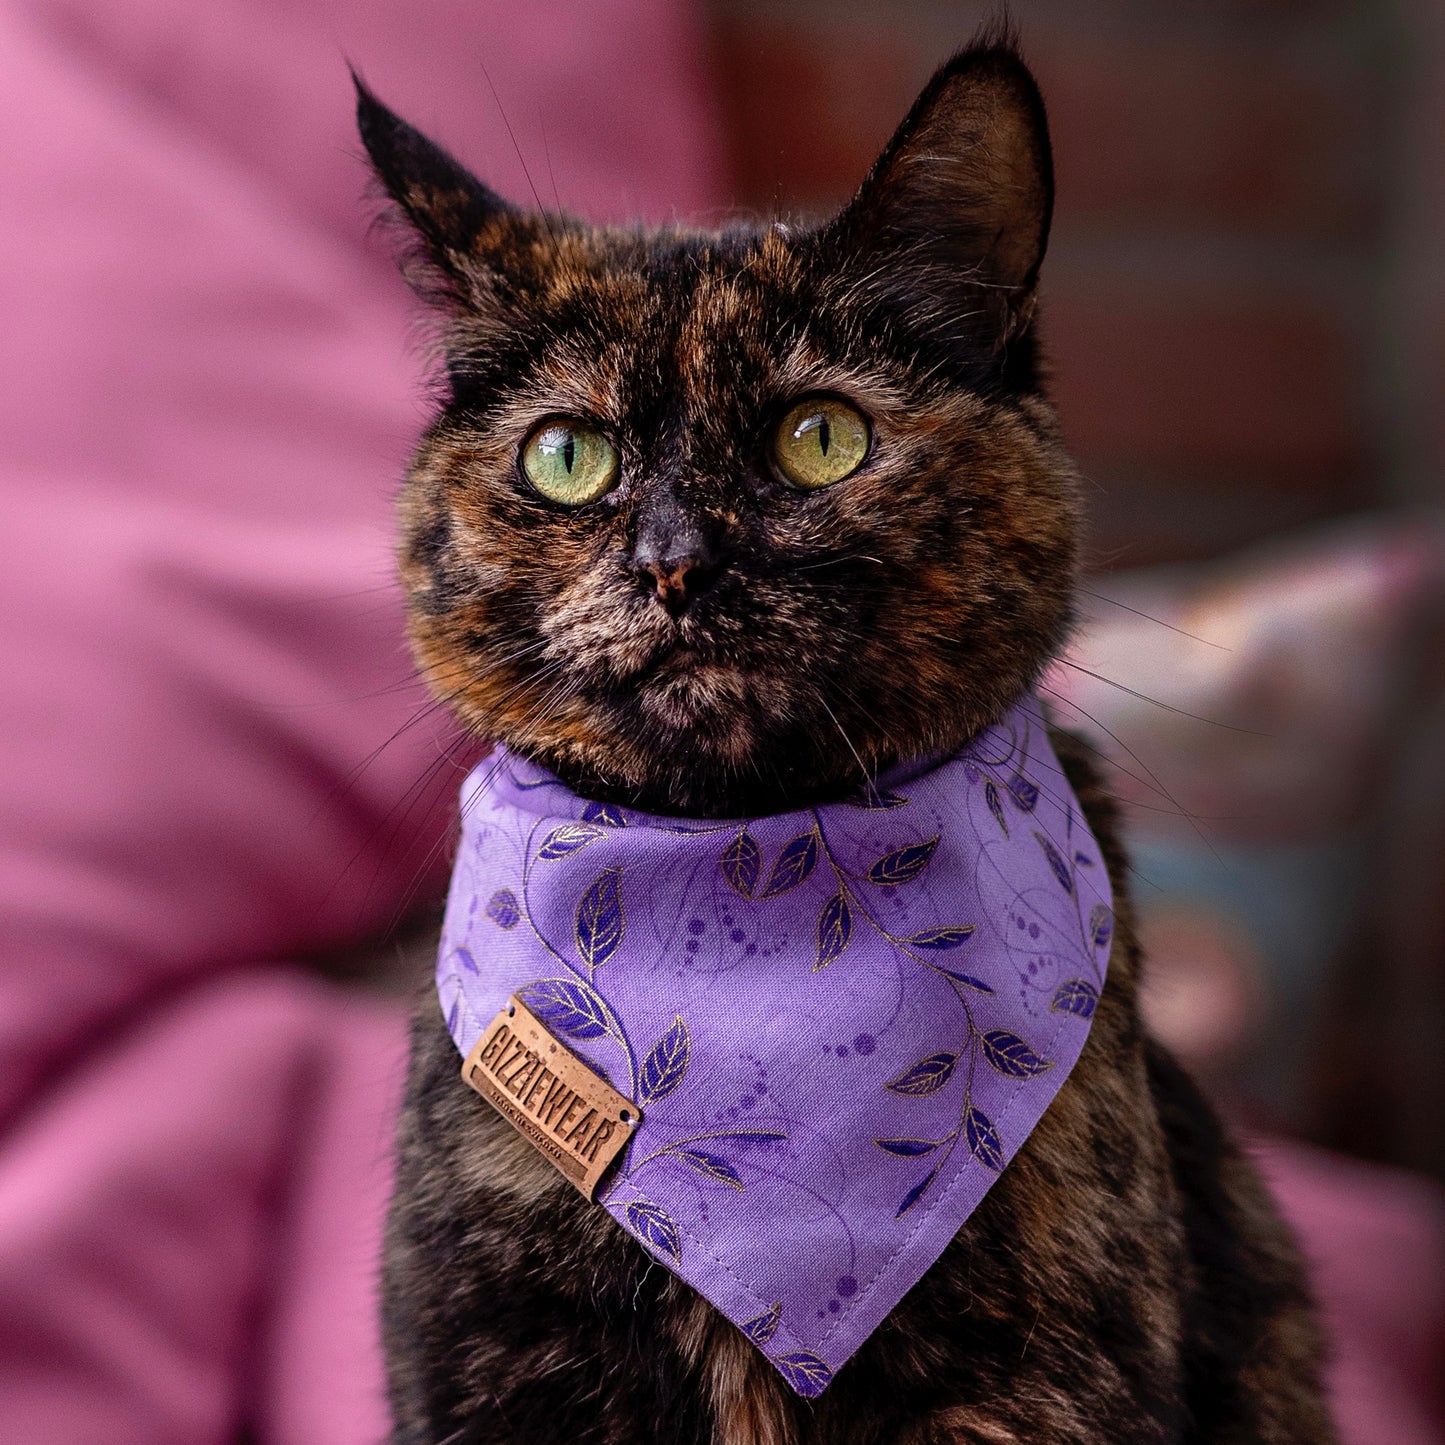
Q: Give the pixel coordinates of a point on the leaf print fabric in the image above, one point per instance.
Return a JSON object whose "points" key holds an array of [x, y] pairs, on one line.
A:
{"points": [[568, 1008], [568, 839], [927, 1076], [760, 1328], [838, 1025], [835, 928], [666, 1064], [903, 864], [795, 863], [740, 863], [653, 1226], [941, 937], [600, 920], [502, 908]]}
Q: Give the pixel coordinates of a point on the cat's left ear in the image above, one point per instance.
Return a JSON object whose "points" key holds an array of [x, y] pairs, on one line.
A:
{"points": [[962, 196], [447, 206]]}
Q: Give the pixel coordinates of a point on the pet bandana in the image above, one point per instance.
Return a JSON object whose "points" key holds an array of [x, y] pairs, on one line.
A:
{"points": [[838, 1024]]}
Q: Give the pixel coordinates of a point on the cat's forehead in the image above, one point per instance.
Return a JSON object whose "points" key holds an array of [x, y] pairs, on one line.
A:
{"points": [[701, 280], [698, 320]]}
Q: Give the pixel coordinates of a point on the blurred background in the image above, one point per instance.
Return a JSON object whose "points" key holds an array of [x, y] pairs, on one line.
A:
{"points": [[1245, 311], [1246, 298], [226, 808]]}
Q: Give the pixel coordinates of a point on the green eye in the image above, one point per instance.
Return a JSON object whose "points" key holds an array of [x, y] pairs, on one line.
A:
{"points": [[819, 442], [570, 463]]}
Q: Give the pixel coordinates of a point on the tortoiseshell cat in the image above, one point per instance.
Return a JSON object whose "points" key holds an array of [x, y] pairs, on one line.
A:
{"points": [[627, 558]]}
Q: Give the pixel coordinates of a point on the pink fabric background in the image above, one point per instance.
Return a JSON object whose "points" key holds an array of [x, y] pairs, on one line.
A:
{"points": [[206, 395]]}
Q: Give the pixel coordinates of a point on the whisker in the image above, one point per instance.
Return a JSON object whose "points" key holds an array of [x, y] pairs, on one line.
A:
{"points": [[389, 827], [547, 155], [1193, 821], [838, 562], [558, 692], [1153, 782], [1168, 707], [427, 710], [388, 830], [1114, 602], [419, 792], [1128, 802], [1113, 763], [521, 159], [862, 768]]}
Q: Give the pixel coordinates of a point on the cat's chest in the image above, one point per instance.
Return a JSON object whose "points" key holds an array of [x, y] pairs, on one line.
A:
{"points": [[575, 1250]]}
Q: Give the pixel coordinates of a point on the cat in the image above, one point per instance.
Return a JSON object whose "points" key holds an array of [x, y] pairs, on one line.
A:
{"points": [[725, 523]]}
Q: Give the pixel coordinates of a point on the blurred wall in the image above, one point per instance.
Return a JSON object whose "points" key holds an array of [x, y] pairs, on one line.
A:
{"points": [[1245, 292]]}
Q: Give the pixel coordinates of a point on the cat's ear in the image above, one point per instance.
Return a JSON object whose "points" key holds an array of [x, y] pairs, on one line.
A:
{"points": [[446, 206], [964, 192]]}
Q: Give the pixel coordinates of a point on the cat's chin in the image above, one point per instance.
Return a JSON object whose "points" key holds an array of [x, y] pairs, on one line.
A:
{"points": [[704, 703], [684, 686], [677, 659], [665, 651]]}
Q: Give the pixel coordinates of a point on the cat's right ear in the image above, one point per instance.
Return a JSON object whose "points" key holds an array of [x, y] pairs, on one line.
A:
{"points": [[959, 203], [447, 207]]}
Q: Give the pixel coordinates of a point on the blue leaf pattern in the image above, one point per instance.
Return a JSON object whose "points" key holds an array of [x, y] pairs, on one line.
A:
{"points": [[761, 1328], [1010, 1055], [464, 957], [503, 908], [568, 838], [1075, 996], [664, 1067], [795, 863], [908, 1148], [927, 1076], [573, 1008], [937, 938], [835, 928], [655, 1226], [605, 814], [1101, 925], [712, 1166], [915, 1194], [1056, 862], [990, 796], [902, 865], [967, 980], [600, 921], [1023, 792], [806, 1373], [983, 1141], [741, 862]]}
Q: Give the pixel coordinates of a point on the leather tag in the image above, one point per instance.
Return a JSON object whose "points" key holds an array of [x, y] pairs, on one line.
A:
{"points": [[559, 1104]]}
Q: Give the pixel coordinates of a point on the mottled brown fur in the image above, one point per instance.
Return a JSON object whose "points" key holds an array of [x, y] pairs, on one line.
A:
{"points": [[1126, 1279]]}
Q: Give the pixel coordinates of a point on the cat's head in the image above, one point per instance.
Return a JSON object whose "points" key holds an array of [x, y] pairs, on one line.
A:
{"points": [[722, 522]]}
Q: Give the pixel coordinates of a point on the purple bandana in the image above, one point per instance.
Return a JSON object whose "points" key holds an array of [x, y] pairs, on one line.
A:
{"points": [[840, 1023]]}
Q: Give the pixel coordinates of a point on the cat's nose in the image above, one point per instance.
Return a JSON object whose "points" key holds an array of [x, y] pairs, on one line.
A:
{"points": [[676, 580], [677, 555]]}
